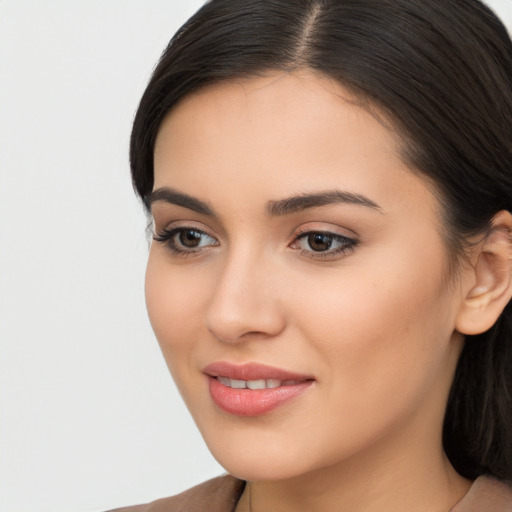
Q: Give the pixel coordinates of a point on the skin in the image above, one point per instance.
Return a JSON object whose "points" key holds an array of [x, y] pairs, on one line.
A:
{"points": [[375, 324]]}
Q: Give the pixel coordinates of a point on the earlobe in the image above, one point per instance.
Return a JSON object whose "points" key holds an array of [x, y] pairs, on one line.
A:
{"points": [[490, 279]]}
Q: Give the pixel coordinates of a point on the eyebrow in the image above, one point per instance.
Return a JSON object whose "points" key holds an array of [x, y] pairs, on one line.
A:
{"points": [[305, 201], [274, 208], [169, 195]]}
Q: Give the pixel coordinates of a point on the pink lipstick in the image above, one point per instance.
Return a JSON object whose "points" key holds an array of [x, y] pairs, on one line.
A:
{"points": [[253, 389]]}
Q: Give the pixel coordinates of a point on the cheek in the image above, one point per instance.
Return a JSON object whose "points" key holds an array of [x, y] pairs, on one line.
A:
{"points": [[174, 303], [380, 328]]}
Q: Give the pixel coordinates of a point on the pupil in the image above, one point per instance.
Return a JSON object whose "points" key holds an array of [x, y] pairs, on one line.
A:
{"points": [[320, 242], [190, 238]]}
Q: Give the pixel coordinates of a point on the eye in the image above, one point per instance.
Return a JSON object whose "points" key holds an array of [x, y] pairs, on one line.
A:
{"points": [[184, 240], [323, 244]]}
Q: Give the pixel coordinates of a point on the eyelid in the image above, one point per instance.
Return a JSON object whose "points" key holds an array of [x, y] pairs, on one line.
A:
{"points": [[325, 227], [167, 223]]}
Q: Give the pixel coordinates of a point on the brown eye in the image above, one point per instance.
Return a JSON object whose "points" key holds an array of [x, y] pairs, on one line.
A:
{"points": [[324, 244], [319, 242], [185, 240], [190, 238]]}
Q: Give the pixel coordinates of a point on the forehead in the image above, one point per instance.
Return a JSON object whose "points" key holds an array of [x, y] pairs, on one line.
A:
{"points": [[280, 135], [277, 97], [274, 112]]}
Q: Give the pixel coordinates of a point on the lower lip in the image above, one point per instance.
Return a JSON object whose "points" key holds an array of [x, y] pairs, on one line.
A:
{"points": [[253, 402]]}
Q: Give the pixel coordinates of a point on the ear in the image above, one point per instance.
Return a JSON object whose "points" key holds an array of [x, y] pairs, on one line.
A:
{"points": [[488, 282]]}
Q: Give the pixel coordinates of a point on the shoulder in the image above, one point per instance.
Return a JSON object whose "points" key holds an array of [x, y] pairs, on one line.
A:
{"points": [[486, 495], [220, 494]]}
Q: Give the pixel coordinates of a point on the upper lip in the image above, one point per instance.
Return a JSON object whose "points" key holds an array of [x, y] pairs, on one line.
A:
{"points": [[251, 371]]}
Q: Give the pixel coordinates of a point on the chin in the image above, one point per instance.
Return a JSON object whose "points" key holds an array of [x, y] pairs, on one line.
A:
{"points": [[259, 468], [257, 456]]}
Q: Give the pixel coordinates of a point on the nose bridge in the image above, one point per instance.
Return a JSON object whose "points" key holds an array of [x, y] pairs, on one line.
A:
{"points": [[244, 301]]}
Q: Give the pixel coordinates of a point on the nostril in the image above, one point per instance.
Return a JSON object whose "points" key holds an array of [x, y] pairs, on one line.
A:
{"points": [[244, 324]]}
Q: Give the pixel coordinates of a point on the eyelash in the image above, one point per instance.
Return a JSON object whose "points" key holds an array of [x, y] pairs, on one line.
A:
{"points": [[168, 237], [347, 245]]}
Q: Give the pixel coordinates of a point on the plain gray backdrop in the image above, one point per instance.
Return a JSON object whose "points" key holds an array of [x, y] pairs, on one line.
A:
{"points": [[89, 417]]}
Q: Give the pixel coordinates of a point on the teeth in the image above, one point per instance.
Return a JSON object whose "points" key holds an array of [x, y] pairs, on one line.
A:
{"points": [[290, 382], [238, 384], [224, 380], [255, 384]]}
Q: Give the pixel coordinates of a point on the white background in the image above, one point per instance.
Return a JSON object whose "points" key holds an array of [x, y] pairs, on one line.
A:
{"points": [[89, 418]]}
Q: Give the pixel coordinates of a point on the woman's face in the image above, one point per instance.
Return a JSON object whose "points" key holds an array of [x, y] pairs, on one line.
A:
{"points": [[297, 253]]}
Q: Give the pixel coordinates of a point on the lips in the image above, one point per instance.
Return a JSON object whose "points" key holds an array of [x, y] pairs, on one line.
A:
{"points": [[253, 389]]}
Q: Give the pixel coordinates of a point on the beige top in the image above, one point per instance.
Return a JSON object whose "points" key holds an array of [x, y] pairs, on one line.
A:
{"points": [[222, 494]]}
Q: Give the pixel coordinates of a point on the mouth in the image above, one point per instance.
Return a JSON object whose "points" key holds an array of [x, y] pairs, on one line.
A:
{"points": [[256, 384], [253, 389]]}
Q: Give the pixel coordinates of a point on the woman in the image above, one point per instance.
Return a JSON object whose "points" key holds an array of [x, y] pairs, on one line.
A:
{"points": [[329, 188]]}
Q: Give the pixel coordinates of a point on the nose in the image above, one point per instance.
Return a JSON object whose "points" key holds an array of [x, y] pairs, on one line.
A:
{"points": [[245, 304]]}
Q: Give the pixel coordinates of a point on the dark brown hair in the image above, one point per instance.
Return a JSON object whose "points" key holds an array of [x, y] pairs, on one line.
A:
{"points": [[441, 70]]}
